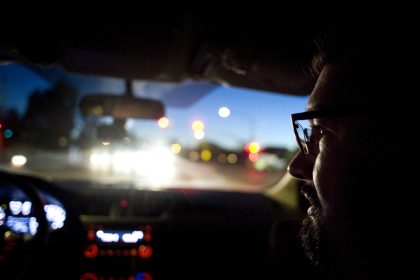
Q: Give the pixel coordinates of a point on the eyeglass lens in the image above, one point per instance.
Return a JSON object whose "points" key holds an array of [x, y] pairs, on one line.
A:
{"points": [[304, 131]]}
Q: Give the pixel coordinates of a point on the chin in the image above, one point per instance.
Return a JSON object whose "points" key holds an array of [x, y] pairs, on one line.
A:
{"points": [[312, 235]]}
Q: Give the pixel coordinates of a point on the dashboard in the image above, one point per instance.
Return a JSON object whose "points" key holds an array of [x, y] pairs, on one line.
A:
{"points": [[16, 211], [121, 232]]}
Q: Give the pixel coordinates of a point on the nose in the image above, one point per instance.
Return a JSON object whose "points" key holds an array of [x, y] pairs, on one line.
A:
{"points": [[301, 166]]}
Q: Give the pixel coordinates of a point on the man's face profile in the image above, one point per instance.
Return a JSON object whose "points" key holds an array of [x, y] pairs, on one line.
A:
{"points": [[327, 169]]}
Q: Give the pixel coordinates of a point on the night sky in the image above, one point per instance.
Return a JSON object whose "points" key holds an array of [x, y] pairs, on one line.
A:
{"points": [[255, 115]]}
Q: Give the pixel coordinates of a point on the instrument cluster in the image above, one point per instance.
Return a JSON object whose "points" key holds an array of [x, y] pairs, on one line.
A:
{"points": [[16, 213]]}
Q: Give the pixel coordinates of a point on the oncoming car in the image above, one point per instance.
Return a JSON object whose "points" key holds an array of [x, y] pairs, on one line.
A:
{"points": [[153, 146]]}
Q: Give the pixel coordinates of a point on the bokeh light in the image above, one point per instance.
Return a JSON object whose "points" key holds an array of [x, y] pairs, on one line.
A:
{"points": [[253, 157], [163, 122], [8, 133], [18, 160], [232, 158], [176, 148], [222, 158], [206, 155], [224, 112], [199, 134], [198, 126], [253, 147]]}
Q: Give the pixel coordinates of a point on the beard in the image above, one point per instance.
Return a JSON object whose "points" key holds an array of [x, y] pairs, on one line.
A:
{"points": [[312, 240], [312, 233]]}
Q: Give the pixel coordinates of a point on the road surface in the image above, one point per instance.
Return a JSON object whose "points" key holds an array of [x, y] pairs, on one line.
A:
{"points": [[179, 173]]}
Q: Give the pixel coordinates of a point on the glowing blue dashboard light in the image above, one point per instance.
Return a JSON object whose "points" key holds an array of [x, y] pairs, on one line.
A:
{"points": [[132, 237], [33, 225], [15, 207], [120, 236], [21, 218], [2, 216], [26, 208], [20, 224], [107, 237], [56, 215]]}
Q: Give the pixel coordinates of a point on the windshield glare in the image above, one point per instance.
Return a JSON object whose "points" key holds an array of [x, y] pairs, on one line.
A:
{"points": [[211, 136]]}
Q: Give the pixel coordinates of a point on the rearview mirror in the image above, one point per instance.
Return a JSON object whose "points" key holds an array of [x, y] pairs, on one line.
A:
{"points": [[121, 107]]}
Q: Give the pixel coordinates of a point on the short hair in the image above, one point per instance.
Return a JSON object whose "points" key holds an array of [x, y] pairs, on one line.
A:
{"points": [[330, 48], [386, 63]]}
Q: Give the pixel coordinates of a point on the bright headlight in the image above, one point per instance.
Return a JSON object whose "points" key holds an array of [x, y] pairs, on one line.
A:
{"points": [[18, 160]]}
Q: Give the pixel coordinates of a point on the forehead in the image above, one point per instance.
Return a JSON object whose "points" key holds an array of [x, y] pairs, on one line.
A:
{"points": [[334, 88]]}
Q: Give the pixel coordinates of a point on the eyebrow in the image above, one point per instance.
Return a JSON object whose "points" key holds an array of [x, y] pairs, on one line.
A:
{"points": [[314, 113]]}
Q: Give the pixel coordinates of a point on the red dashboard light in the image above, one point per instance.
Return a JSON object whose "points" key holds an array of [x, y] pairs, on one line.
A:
{"points": [[145, 251], [133, 252], [91, 251], [147, 236], [110, 253], [91, 235], [89, 276]]}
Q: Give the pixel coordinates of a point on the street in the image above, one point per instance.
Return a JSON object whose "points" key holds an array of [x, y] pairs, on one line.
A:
{"points": [[176, 173]]}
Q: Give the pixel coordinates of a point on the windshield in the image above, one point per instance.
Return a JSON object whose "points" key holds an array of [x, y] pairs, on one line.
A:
{"points": [[211, 136]]}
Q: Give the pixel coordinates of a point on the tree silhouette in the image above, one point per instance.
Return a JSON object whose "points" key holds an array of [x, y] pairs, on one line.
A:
{"points": [[49, 117], [10, 123]]}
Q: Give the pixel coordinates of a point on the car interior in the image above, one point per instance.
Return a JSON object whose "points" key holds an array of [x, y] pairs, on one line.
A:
{"points": [[112, 167]]}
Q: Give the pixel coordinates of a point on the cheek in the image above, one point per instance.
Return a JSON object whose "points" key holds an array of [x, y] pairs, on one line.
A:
{"points": [[330, 177], [323, 181]]}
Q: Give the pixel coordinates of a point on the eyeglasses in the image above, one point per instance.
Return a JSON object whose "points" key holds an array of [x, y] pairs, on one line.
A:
{"points": [[308, 135], [305, 133]]}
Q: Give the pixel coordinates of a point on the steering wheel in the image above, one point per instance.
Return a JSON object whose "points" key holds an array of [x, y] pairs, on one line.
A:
{"points": [[19, 252]]}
